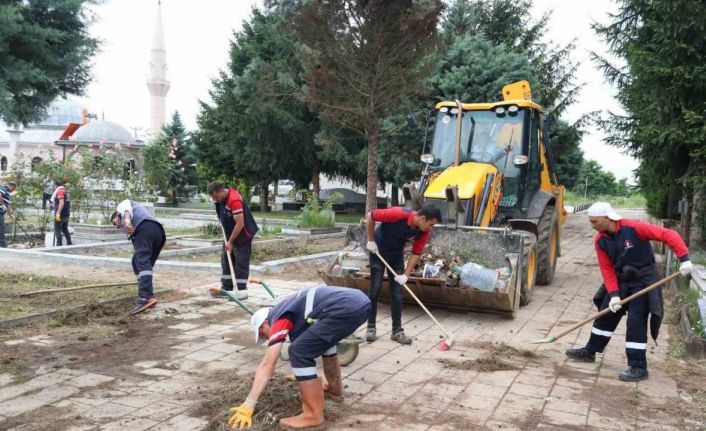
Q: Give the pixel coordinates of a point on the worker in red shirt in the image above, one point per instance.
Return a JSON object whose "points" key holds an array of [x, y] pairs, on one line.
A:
{"points": [[62, 212], [398, 225], [627, 263], [240, 229]]}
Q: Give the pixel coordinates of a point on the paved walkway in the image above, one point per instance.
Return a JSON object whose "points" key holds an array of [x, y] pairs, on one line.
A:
{"points": [[388, 386]]}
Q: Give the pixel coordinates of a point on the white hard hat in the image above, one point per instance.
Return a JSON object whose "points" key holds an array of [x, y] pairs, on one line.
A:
{"points": [[603, 209], [257, 319]]}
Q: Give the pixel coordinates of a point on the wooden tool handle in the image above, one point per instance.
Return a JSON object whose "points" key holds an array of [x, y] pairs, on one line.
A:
{"points": [[623, 302], [414, 296]]}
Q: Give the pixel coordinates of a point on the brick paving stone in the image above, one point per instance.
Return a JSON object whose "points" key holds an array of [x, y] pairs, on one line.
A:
{"points": [[17, 406], [372, 377], [89, 380], [411, 378], [107, 411], [481, 389], [378, 398], [515, 407], [497, 378], [501, 426], [225, 348], [557, 417], [477, 402], [389, 425], [169, 386], [6, 379], [182, 423], [97, 397], [159, 372], [529, 390], [535, 380], [159, 411], [146, 364], [54, 394], [184, 326], [204, 355], [129, 423], [140, 399], [12, 391]]}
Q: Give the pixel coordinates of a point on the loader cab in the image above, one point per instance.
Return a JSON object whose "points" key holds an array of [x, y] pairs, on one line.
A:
{"points": [[505, 135]]}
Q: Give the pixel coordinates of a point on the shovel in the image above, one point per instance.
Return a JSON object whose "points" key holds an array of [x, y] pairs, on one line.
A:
{"points": [[553, 338], [445, 344]]}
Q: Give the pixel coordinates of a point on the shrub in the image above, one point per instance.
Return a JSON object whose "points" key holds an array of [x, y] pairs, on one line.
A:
{"points": [[317, 214]]}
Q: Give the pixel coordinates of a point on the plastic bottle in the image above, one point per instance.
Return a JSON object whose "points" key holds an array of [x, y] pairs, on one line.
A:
{"points": [[477, 276]]}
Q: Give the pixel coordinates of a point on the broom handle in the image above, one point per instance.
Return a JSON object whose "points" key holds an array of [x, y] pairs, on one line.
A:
{"points": [[413, 295], [230, 262], [623, 302], [67, 289]]}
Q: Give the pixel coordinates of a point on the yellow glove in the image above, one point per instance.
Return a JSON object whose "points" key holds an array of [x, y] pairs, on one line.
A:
{"points": [[242, 417], [57, 218]]}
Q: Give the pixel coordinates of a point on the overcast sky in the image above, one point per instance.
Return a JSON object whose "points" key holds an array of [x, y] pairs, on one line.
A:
{"points": [[198, 32]]}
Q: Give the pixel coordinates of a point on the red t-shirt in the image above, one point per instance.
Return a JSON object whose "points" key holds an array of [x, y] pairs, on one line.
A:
{"points": [[234, 202], [61, 193], [394, 215], [279, 330]]}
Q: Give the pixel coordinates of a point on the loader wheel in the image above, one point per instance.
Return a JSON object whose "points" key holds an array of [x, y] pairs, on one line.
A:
{"points": [[529, 269], [547, 245]]}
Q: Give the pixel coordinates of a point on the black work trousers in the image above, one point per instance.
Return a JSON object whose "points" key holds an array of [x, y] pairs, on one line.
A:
{"points": [[62, 227], [240, 256], [377, 272], [148, 241], [636, 335]]}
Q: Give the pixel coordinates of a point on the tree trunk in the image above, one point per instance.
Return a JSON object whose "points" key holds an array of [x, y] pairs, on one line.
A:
{"points": [[316, 178], [264, 196], [395, 196], [276, 191], [372, 183], [686, 216]]}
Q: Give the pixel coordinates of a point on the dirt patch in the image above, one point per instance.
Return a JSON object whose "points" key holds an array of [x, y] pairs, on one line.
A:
{"points": [[39, 420], [504, 350], [531, 420], [280, 399], [12, 306], [494, 360], [485, 364]]}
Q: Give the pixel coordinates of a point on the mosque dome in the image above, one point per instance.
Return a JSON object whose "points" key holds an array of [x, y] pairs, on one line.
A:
{"points": [[103, 131], [60, 113]]}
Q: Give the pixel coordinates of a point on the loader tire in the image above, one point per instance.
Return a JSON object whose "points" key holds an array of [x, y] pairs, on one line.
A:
{"points": [[529, 269], [547, 245]]}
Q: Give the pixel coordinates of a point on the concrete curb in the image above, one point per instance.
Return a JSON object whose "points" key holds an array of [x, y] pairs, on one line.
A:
{"points": [[47, 315]]}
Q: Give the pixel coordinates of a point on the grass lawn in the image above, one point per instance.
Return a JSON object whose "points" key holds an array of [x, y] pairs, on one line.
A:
{"points": [[633, 201], [12, 306]]}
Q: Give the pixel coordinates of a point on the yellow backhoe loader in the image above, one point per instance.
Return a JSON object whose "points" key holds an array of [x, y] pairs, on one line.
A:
{"points": [[491, 171]]}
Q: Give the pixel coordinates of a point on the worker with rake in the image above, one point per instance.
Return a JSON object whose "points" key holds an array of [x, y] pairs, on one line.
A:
{"points": [[397, 226], [627, 263], [315, 319], [239, 228], [148, 239]]}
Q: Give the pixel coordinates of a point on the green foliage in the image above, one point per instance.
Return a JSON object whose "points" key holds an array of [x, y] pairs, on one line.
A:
{"points": [[45, 52], [362, 61], [211, 230], [257, 129], [316, 213], [660, 86], [474, 70], [170, 163]]}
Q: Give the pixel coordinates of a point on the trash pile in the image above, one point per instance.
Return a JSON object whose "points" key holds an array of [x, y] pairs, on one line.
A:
{"points": [[466, 268]]}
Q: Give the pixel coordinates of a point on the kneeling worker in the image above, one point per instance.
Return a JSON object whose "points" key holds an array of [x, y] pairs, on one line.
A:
{"points": [[148, 238], [315, 319]]}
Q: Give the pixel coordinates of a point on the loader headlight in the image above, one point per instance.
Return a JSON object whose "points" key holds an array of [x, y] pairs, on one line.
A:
{"points": [[500, 110], [427, 158], [512, 108], [520, 160]]}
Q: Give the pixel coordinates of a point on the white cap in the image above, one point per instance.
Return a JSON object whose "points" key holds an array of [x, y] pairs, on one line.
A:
{"points": [[257, 319], [603, 209]]}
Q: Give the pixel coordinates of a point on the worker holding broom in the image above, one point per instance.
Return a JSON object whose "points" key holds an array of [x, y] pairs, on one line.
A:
{"points": [[239, 229], [397, 226], [5, 206], [315, 319], [148, 239], [627, 263]]}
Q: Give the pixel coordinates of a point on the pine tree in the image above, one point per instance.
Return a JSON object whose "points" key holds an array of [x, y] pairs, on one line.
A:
{"points": [[45, 52]]}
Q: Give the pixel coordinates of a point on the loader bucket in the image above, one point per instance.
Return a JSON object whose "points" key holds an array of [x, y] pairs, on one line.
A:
{"points": [[494, 248]]}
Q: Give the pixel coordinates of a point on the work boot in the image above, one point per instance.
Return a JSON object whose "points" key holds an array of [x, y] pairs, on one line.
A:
{"points": [[333, 388], [400, 337], [312, 416], [371, 335], [142, 304], [216, 292], [581, 354], [633, 374], [241, 294]]}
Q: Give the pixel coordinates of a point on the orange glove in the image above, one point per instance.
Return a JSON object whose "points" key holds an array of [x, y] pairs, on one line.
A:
{"points": [[57, 218]]}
